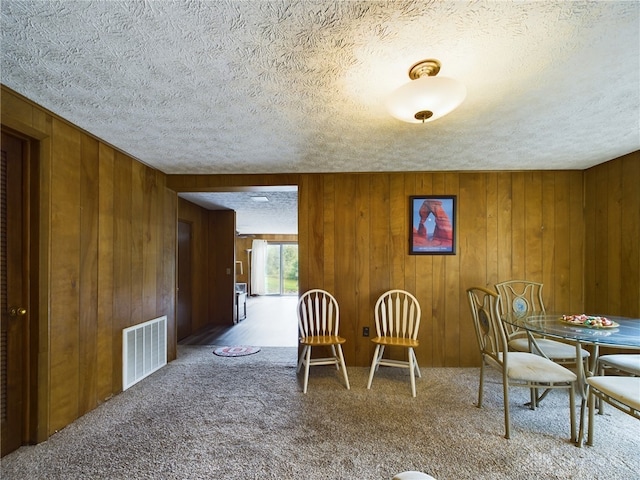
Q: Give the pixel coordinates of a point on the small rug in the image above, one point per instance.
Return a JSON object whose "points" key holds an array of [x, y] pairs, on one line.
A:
{"points": [[236, 351]]}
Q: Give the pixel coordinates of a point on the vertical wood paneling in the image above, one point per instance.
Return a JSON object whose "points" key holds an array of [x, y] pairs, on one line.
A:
{"points": [[454, 311], [398, 222], [136, 194], [613, 198], [547, 237], [630, 228], [122, 252], [602, 246], [329, 229], [472, 254], [88, 328], [493, 208], [505, 239], [576, 249], [533, 226], [100, 217], [150, 237], [314, 201], [379, 237], [364, 313], [65, 275], [167, 266], [557, 299], [518, 227], [104, 349], [345, 258], [612, 229]]}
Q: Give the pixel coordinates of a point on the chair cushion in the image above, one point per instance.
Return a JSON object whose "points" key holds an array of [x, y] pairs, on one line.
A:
{"points": [[624, 389], [551, 348], [627, 362], [529, 367]]}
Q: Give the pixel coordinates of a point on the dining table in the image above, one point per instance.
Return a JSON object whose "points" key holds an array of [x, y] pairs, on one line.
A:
{"points": [[623, 333]]}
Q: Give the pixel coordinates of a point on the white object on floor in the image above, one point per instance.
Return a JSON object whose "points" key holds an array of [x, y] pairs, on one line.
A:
{"points": [[412, 475]]}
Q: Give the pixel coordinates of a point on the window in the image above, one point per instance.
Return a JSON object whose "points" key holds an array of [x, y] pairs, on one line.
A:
{"points": [[281, 273]]}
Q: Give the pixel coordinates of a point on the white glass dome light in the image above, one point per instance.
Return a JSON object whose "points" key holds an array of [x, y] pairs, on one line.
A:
{"points": [[426, 98]]}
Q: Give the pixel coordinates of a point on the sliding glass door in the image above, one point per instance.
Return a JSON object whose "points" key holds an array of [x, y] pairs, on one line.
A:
{"points": [[281, 273]]}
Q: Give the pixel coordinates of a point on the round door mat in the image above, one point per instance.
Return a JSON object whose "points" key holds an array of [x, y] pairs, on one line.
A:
{"points": [[235, 351]]}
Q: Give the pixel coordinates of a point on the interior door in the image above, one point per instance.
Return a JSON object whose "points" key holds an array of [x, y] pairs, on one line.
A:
{"points": [[184, 280], [14, 304]]}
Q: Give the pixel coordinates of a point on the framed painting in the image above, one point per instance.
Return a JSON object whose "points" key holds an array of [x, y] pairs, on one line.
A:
{"points": [[432, 225]]}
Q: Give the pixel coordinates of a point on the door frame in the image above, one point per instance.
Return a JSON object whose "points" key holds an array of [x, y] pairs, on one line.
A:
{"points": [[37, 143]]}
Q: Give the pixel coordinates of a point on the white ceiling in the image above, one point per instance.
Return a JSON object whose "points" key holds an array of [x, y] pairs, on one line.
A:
{"points": [[253, 86]]}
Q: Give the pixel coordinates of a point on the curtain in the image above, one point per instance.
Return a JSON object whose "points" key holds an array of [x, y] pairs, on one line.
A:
{"points": [[258, 266]]}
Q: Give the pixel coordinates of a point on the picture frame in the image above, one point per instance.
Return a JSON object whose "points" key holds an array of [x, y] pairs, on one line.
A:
{"points": [[432, 225]]}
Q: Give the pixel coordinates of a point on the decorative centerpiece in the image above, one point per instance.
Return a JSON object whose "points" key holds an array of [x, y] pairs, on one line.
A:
{"points": [[589, 321]]}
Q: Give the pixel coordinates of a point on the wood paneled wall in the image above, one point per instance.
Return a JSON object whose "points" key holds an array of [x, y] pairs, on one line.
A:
{"points": [[107, 260], [354, 233], [612, 223], [212, 255]]}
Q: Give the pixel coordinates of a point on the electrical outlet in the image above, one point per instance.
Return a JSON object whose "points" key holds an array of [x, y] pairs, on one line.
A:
{"points": [[365, 331]]}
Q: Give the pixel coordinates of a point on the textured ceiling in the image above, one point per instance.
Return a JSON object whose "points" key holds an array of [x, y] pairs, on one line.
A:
{"points": [[283, 86]]}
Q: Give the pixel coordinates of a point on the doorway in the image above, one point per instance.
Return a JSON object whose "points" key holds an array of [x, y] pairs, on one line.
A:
{"points": [[18, 345]]}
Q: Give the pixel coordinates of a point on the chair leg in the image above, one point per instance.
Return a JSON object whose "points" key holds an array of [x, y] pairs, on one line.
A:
{"points": [[307, 361], [344, 367], [572, 412], [507, 418], [481, 386], [412, 373], [304, 351], [580, 438], [374, 366], [335, 355], [591, 398], [379, 356], [415, 363]]}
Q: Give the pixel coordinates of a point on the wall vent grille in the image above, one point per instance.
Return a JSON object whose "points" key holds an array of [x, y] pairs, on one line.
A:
{"points": [[144, 350]]}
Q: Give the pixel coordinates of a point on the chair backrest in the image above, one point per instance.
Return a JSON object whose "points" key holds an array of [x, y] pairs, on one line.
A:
{"points": [[397, 314], [489, 328], [318, 314], [519, 297]]}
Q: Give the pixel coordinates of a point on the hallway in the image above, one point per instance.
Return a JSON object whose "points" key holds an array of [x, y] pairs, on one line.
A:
{"points": [[271, 322]]}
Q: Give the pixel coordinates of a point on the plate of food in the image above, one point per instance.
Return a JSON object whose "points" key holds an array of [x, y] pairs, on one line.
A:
{"points": [[588, 321]]}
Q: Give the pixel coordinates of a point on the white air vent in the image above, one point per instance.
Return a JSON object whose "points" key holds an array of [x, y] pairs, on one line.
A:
{"points": [[144, 350]]}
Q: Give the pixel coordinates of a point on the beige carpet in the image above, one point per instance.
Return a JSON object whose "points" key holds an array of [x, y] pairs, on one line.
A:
{"points": [[204, 416]]}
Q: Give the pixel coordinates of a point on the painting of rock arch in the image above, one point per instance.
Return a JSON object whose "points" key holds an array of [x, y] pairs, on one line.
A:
{"points": [[432, 224]]}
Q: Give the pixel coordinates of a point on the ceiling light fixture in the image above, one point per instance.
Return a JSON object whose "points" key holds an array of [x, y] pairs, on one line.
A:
{"points": [[259, 199], [426, 98]]}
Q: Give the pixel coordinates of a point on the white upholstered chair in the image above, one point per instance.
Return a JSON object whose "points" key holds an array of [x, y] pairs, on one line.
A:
{"points": [[619, 364], [521, 297], [318, 325], [523, 369], [397, 317], [626, 363], [623, 392]]}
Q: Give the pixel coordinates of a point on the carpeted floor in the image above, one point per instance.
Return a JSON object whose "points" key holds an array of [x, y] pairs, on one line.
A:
{"points": [[204, 416]]}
